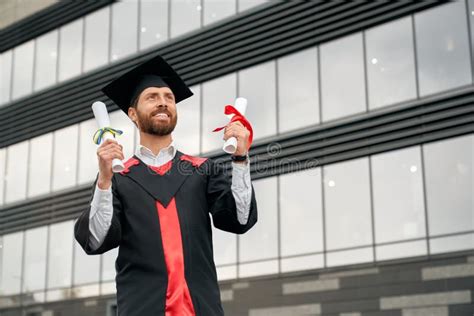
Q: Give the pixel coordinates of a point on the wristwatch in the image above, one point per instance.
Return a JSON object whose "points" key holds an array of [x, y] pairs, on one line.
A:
{"points": [[240, 158]]}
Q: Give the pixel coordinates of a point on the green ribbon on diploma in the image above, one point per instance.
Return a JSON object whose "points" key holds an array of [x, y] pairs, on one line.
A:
{"points": [[99, 134]]}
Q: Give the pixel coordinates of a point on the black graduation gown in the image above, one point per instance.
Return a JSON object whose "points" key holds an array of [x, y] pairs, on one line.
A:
{"points": [[162, 226]]}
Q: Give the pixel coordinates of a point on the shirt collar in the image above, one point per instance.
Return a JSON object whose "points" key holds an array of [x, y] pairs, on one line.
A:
{"points": [[145, 151]]}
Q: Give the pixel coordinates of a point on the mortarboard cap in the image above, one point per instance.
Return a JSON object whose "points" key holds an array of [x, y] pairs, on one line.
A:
{"points": [[155, 72]]}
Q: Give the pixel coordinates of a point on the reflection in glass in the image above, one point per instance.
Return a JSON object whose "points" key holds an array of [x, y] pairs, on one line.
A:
{"points": [[390, 63], [124, 29], [257, 84], [248, 4], [108, 265], [301, 212], [96, 39], [16, 172], [399, 209], [298, 92], [60, 254], [185, 16], [3, 159], [225, 247], [342, 77], [353, 256], [452, 243], [86, 269], [186, 133], [401, 250], [46, 60], [215, 10], [450, 185], [39, 170], [247, 270], [23, 69], [442, 48], [35, 259], [5, 76], [216, 94], [11, 254], [153, 22], [302, 263], [261, 241], [65, 157], [348, 219], [70, 49]]}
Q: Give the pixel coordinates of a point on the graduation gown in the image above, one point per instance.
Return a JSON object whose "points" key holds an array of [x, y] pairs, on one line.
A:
{"points": [[162, 226]]}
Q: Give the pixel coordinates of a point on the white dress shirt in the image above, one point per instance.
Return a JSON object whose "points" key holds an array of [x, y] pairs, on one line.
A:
{"points": [[100, 216]]}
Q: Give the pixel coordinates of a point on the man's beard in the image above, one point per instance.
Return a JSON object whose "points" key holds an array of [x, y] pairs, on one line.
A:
{"points": [[148, 126]]}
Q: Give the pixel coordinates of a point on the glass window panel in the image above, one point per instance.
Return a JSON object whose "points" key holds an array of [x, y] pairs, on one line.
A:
{"points": [[298, 92], [186, 133], [3, 159], [302, 263], [267, 267], [16, 172], [60, 254], [86, 268], [248, 4], [342, 77], [226, 273], [442, 48], [88, 164], [398, 195], [225, 247], [401, 250], [215, 10], [347, 204], [46, 60], [390, 63], [260, 242], [108, 288], [124, 29], [452, 243], [86, 291], [11, 254], [70, 49], [471, 21], [65, 157], [108, 265], [257, 85], [216, 94], [153, 22], [23, 69], [352, 256], [35, 259], [188, 11], [96, 41], [301, 212], [449, 177], [39, 172], [5, 76]]}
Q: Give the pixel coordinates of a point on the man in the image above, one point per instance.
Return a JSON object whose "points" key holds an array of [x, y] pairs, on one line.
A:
{"points": [[157, 210]]}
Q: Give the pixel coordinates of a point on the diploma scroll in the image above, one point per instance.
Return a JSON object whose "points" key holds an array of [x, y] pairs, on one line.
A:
{"points": [[230, 145], [102, 119]]}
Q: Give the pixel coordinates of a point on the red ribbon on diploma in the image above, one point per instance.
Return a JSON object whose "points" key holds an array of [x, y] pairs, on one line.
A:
{"points": [[229, 109]]}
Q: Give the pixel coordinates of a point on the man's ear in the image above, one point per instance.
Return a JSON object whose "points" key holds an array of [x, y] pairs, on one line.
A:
{"points": [[132, 114]]}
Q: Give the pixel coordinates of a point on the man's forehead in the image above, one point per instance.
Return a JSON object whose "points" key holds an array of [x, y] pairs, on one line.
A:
{"points": [[150, 90]]}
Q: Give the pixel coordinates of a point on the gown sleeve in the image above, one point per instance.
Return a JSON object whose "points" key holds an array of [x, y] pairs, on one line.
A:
{"points": [[222, 204], [114, 234]]}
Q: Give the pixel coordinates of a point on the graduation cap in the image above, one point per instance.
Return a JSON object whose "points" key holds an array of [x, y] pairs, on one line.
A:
{"points": [[155, 72]]}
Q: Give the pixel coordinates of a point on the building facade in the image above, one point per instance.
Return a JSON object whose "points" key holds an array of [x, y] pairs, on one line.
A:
{"points": [[362, 163]]}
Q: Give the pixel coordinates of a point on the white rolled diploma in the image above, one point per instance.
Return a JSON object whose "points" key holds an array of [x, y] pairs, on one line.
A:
{"points": [[102, 119], [230, 145]]}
